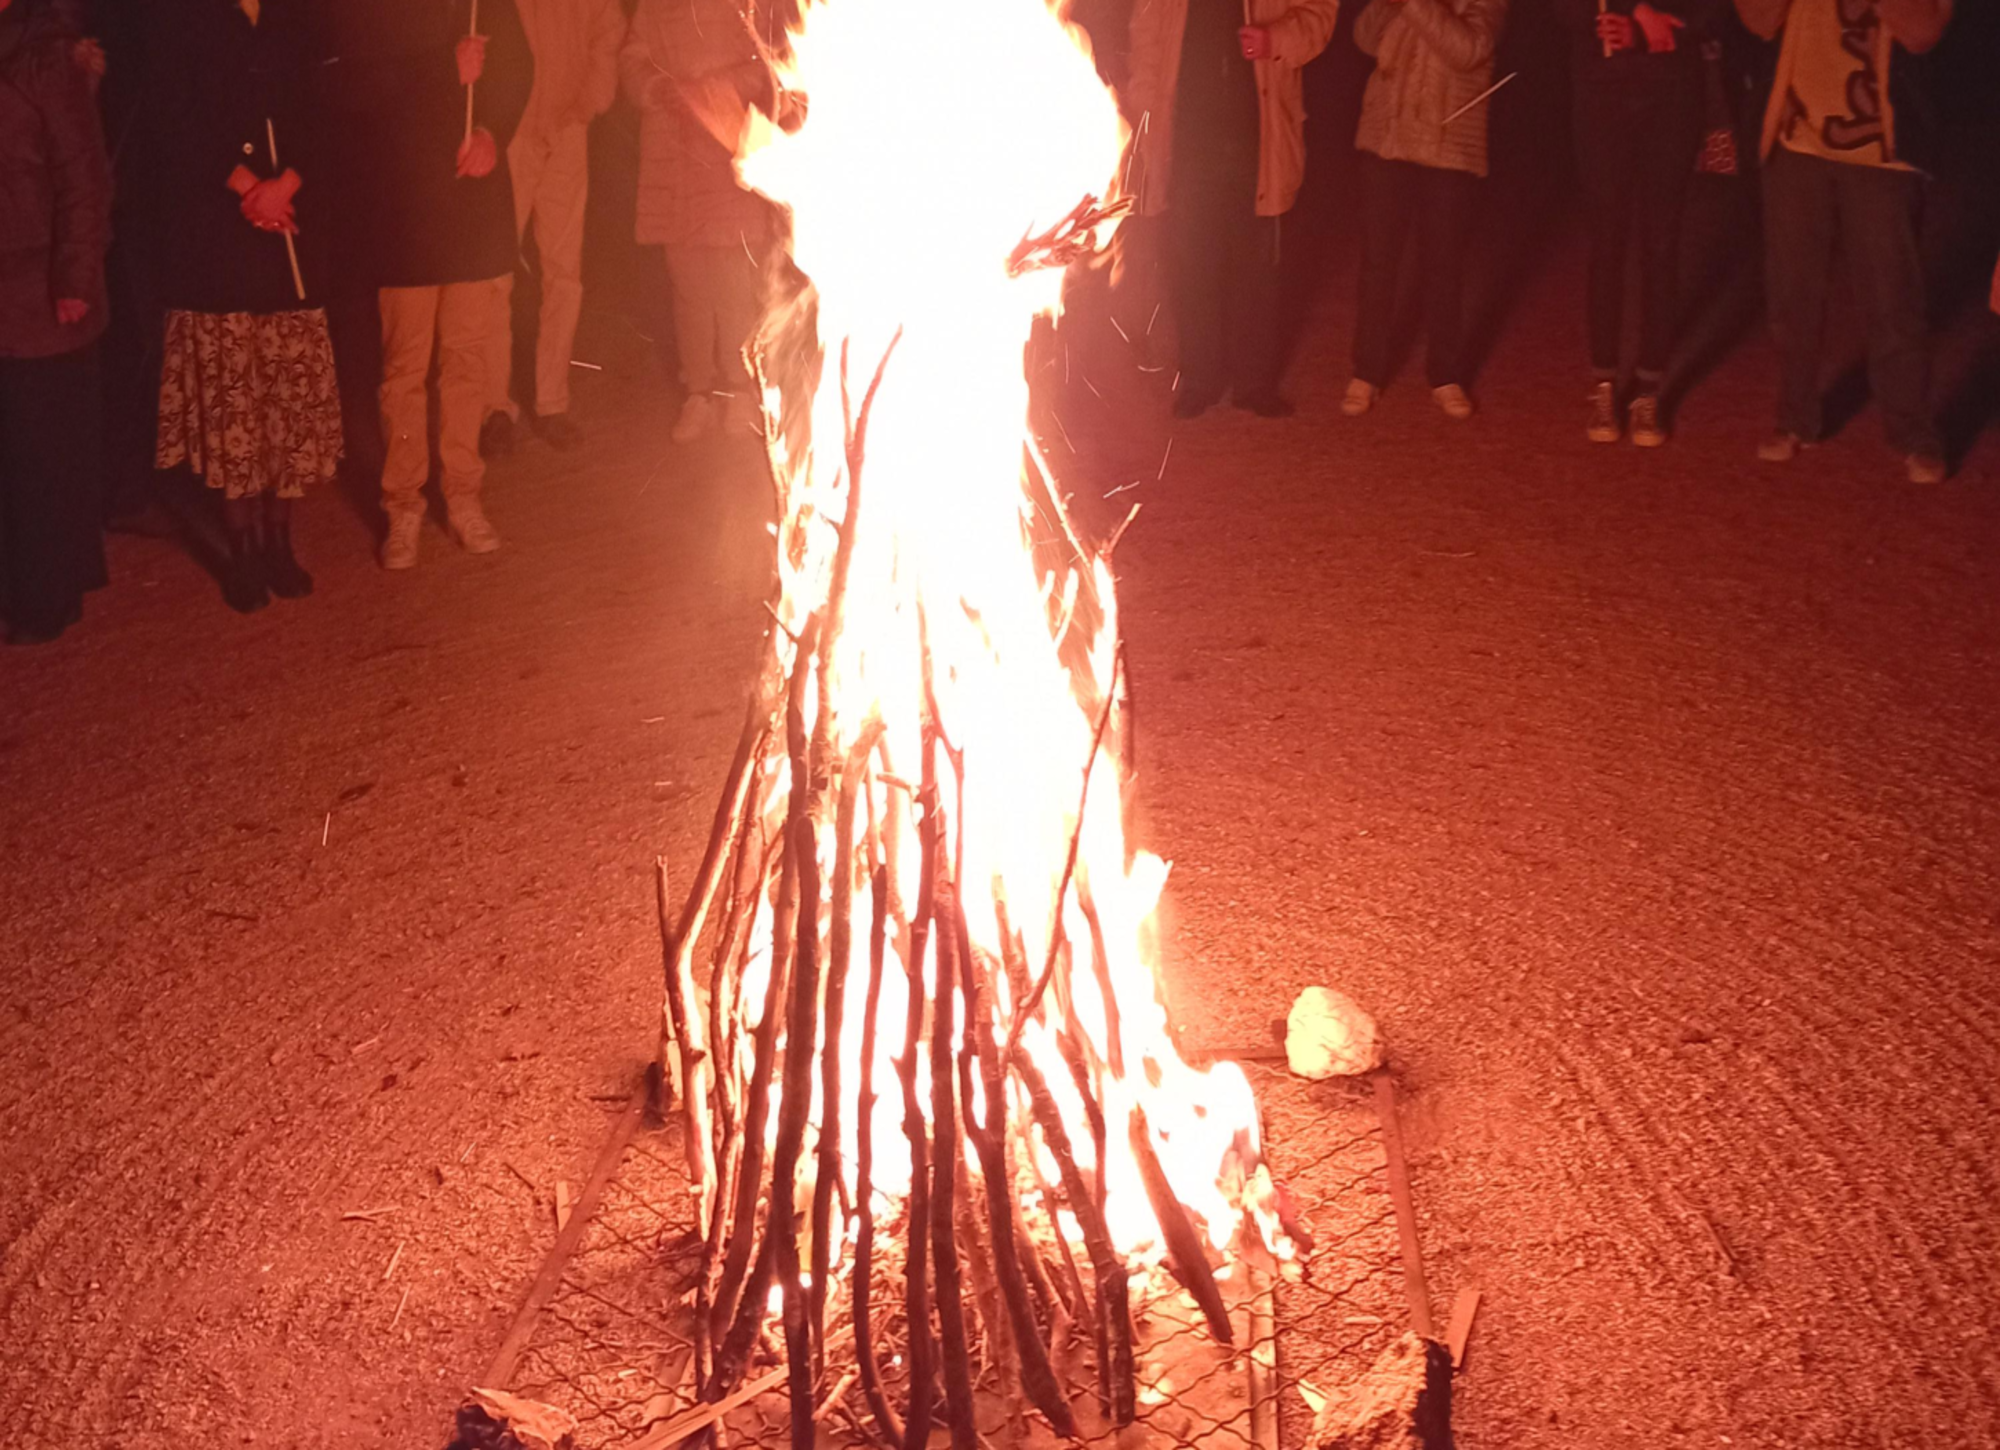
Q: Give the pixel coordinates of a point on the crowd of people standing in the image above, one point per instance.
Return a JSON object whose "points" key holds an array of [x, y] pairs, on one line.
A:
{"points": [[417, 147]]}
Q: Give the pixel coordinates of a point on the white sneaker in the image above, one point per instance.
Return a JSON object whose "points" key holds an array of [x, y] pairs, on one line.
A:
{"points": [[399, 549], [1360, 397], [697, 417], [1603, 424], [1452, 399], [475, 532]]}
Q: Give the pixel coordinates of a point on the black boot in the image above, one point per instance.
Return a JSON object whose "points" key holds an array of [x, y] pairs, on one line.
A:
{"points": [[282, 571], [245, 585]]}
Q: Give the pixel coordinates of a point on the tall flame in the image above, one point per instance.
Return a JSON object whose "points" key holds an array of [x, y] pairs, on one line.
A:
{"points": [[935, 140]]}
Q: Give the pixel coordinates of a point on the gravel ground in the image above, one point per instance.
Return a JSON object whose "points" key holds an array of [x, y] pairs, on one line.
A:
{"points": [[1653, 801]]}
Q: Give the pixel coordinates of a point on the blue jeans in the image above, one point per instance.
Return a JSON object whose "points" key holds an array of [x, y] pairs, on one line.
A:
{"points": [[1810, 204]]}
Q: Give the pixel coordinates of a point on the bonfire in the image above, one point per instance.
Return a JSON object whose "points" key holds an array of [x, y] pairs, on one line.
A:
{"points": [[933, 1114]]}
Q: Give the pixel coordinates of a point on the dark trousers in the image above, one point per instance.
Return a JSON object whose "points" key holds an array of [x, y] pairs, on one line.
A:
{"points": [[1870, 212], [1404, 203], [51, 487], [1635, 148], [1225, 280]]}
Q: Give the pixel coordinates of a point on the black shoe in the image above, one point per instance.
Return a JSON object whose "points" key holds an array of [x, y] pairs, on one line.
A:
{"points": [[283, 573], [1266, 403], [496, 436], [1193, 402], [559, 431], [245, 586]]}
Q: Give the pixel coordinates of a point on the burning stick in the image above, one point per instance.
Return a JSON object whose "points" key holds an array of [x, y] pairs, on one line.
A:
{"points": [[864, 1191]]}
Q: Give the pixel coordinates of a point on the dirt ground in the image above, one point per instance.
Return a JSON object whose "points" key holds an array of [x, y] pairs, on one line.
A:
{"points": [[1651, 800]]}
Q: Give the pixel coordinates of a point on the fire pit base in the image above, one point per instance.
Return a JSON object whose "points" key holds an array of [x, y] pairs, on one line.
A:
{"points": [[613, 1345]]}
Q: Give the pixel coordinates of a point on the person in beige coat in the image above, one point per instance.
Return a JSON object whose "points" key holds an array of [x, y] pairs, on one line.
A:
{"points": [[1423, 142], [575, 46], [1218, 118], [694, 67]]}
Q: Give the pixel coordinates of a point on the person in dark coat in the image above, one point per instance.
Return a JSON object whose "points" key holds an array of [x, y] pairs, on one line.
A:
{"points": [[55, 210], [248, 398], [1637, 90], [441, 237]]}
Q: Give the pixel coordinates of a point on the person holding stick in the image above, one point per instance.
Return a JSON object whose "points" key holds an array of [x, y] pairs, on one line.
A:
{"points": [[1219, 151], [440, 238], [1637, 92], [248, 399], [1423, 142]]}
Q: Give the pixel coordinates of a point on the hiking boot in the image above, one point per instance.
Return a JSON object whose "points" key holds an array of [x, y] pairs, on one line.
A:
{"points": [[1647, 429], [1925, 466], [1266, 403], [1453, 402], [496, 436], [399, 548], [559, 431], [1603, 424], [1359, 398], [1780, 447], [470, 526], [697, 417]]}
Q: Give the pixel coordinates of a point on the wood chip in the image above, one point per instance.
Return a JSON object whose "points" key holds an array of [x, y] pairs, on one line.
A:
{"points": [[563, 1201], [394, 1259], [368, 1215]]}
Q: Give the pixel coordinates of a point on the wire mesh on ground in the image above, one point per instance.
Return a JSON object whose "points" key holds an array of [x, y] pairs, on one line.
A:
{"points": [[615, 1344]]}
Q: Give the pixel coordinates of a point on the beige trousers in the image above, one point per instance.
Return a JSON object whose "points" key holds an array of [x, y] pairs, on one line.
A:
{"points": [[551, 174], [716, 297], [453, 320]]}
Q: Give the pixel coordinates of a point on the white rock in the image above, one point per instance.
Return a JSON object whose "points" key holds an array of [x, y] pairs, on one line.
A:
{"points": [[1328, 1035]]}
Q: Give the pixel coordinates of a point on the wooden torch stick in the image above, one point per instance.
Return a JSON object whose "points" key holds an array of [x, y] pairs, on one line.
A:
{"points": [[291, 246], [475, 29], [1600, 11]]}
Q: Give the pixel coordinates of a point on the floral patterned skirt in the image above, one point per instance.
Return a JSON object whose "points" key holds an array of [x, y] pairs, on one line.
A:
{"points": [[249, 401]]}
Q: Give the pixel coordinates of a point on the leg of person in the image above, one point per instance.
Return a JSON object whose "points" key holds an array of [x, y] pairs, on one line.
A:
{"points": [[739, 282], [1668, 142], [1388, 195], [51, 438], [303, 389], [1446, 213], [465, 319], [1603, 147], [690, 267], [526, 156], [1255, 337], [560, 197], [409, 332], [1798, 264], [1878, 230], [1201, 221]]}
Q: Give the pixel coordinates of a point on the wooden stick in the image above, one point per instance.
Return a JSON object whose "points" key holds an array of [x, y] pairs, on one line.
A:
{"points": [[944, 1124], [840, 947], [1038, 1379], [1490, 89], [864, 1172], [501, 1370], [1463, 1308], [1186, 1254], [471, 30], [1114, 1319], [916, 1288], [690, 1035], [1406, 1215], [291, 246]]}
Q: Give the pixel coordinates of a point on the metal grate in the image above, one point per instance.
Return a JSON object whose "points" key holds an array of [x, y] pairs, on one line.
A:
{"points": [[614, 1345]]}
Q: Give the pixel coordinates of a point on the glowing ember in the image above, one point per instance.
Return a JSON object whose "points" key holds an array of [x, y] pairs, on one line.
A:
{"points": [[931, 918]]}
